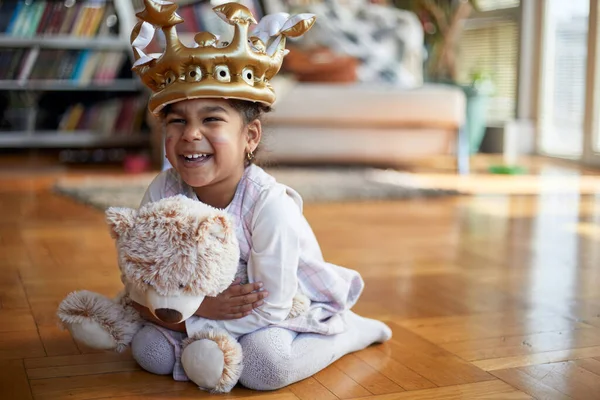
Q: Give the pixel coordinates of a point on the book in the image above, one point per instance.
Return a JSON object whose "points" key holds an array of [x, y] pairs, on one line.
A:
{"points": [[27, 64], [7, 14]]}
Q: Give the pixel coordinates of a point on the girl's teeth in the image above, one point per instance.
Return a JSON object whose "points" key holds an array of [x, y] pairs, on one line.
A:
{"points": [[195, 156]]}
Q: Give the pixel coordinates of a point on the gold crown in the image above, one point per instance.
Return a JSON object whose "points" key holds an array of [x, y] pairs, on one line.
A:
{"points": [[240, 69]]}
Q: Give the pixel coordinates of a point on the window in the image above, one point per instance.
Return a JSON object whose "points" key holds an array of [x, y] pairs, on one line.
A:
{"points": [[564, 77], [490, 45]]}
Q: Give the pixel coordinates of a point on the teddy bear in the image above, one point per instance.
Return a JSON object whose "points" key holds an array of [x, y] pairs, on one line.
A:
{"points": [[171, 253]]}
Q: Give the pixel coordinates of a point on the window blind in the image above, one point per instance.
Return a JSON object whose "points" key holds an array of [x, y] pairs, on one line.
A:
{"points": [[490, 5], [492, 48]]}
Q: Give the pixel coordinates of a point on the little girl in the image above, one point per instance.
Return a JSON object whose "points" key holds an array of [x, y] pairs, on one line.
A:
{"points": [[210, 142]]}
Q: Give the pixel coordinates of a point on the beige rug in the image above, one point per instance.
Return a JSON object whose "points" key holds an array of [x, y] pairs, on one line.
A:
{"points": [[314, 184], [558, 183]]}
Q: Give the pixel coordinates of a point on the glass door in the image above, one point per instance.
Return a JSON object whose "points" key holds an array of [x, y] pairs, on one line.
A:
{"points": [[563, 80], [591, 153]]}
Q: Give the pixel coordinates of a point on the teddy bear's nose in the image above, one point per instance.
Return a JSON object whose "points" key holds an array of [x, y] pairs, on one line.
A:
{"points": [[168, 315]]}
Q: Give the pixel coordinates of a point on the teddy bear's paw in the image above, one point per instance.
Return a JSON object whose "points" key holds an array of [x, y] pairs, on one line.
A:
{"points": [[97, 321], [93, 335], [203, 362], [212, 360], [300, 305]]}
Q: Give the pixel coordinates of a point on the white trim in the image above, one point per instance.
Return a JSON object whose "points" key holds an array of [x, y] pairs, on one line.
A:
{"points": [[529, 31], [592, 93]]}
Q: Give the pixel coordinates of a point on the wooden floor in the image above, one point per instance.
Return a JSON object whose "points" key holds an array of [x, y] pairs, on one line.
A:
{"points": [[489, 297]]}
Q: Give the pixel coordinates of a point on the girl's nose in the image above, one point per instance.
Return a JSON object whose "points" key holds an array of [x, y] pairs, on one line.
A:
{"points": [[192, 133]]}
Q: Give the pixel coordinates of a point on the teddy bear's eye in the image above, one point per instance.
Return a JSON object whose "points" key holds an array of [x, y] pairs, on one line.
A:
{"points": [[181, 286]]}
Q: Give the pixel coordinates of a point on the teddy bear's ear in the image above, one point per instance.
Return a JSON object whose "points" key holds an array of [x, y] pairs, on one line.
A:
{"points": [[120, 220], [217, 226]]}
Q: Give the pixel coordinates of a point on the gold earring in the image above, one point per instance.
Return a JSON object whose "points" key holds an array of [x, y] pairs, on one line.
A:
{"points": [[250, 156]]}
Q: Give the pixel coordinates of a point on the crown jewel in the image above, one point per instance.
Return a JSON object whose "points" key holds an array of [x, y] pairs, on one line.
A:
{"points": [[240, 69]]}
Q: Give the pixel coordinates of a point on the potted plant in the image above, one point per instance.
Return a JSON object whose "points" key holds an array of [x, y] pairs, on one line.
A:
{"points": [[478, 92], [443, 23]]}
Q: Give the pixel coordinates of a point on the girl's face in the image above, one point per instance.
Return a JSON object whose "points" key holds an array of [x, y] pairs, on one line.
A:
{"points": [[207, 140]]}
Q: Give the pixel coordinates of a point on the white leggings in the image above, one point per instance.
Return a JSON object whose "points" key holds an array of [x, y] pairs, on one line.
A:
{"points": [[273, 357]]}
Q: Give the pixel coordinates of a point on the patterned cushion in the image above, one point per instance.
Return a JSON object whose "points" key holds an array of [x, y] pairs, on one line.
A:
{"points": [[387, 41]]}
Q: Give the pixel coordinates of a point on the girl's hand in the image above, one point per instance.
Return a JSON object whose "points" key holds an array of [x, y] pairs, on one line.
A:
{"points": [[235, 302], [148, 316]]}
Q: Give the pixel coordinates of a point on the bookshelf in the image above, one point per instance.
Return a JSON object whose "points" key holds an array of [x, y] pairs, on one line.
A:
{"points": [[65, 76], [118, 85], [59, 139], [64, 42]]}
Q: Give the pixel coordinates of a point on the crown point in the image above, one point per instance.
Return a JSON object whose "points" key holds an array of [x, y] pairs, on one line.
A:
{"points": [[204, 39], [234, 13], [160, 13], [298, 25]]}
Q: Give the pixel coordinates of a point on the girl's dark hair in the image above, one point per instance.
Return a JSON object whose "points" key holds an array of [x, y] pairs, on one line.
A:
{"points": [[249, 111]]}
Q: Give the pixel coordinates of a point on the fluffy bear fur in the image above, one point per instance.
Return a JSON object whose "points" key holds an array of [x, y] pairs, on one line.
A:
{"points": [[176, 245], [172, 253], [121, 323]]}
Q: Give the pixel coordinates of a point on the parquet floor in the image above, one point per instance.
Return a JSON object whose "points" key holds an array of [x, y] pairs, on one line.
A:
{"points": [[489, 297]]}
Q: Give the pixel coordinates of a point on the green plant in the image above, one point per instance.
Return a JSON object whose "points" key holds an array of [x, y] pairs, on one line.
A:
{"points": [[443, 22], [481, 81]]}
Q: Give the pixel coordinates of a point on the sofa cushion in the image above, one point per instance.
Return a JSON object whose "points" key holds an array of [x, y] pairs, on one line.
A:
{"points": [[388, 41], [290, 144], [367, 106]]}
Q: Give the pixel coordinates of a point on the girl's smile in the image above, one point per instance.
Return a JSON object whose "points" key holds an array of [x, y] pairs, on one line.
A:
{"points": [[192, 160], [207, 142]]}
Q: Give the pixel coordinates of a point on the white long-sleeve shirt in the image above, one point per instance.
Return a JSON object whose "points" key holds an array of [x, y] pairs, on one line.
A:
{"points": [[278, 248], [273, 260]]}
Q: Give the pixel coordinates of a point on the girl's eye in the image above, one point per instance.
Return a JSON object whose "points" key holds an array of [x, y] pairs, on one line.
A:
{"points": [[176, 121], [212, 119]]}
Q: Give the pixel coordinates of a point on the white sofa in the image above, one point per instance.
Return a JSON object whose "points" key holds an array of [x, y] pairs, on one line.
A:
{"points": [[364, 123], [375, 120]]}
